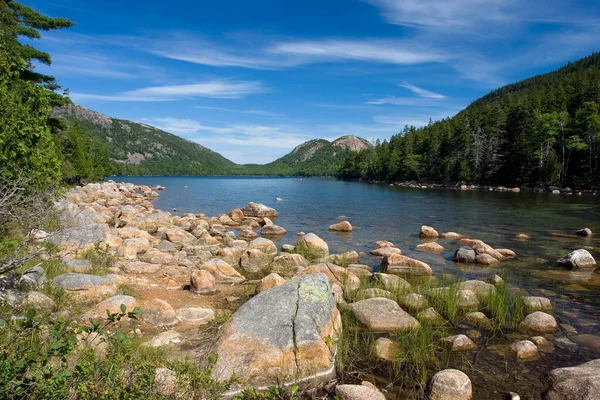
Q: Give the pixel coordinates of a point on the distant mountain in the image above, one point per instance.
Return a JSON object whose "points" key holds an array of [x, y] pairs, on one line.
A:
{"points": [[317, 157], [140, 149]]}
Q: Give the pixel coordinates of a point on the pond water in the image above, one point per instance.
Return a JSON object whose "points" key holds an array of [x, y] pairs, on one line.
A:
{"points": [[382, 212]]}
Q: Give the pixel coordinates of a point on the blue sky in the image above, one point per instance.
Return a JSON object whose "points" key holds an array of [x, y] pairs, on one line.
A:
{"points": [[253, 79]]}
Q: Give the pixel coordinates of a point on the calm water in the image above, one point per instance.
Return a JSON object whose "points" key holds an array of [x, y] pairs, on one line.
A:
{"points": [[381, 212]]}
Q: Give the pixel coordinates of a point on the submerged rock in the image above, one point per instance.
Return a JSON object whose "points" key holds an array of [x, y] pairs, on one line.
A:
{"points": [[585, 232], [581, 382], [450, 384], [458, 343], [535, 303], [433, 247], [383, 243], [578, 259], [428, 232], [525, 350], [282, 335], [386, 251], [383, 315]]}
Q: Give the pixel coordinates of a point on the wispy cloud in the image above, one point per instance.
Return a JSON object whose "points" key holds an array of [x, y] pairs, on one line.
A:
{"points": [[219, 89], [178, 126], [263, 113], [405, 101], [422, 92], [373, 50]]}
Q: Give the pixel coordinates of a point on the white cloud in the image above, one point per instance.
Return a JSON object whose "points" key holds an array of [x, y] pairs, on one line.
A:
{"points": [[253, 112], [373, 50], [220, 89], [422, 92], [211, 89], [404, 101]]}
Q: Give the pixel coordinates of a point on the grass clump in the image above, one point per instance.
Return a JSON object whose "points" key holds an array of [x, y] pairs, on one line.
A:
{"points": [[101, 260]]}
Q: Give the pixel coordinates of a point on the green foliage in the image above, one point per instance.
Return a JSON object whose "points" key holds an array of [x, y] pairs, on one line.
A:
{"points": [[84, 158], [101, 259], [272, 393], [541, 131], [44, 357]]}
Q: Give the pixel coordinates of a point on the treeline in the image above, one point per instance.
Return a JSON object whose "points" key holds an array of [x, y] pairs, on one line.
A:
{"points": [[541, 131], [33, 145]]}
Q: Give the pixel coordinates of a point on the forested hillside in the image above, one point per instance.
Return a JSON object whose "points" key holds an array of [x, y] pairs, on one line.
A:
{"points": [[140, 149], [317, 157], [541, 131]]}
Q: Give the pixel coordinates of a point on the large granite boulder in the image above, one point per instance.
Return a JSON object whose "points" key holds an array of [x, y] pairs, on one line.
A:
{"points": [[258, 210], [282, 335], [72, 281], [578, 259], [581, 382]]}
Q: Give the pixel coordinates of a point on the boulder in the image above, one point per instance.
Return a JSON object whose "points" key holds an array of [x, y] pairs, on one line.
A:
{"points": [[383, 315], [391, 282], [313, 246], [450, 384], [413, 301], [458, 343], [154, 256], [343, 226], [159, 313], [255, 261], [486, 259], [496, 280], [336, 274], [466, 300], [581, 382], [343, 259], [33, 278], [273, 230], [202, 282], [386, 251], [72, 281], [477, 318], [506, 253], [464, 255], [360, 270], [38, 301], [387, 349], [283, 335], [258, 210], [285, 264], [358, 392], [265, 245], [433, 247], [373, 292], [222, 272], [535, 303], [288, 248], [166, 382], [578, 259], [587, 340], [585, 232], [525, 350], [539, 322], [401, 265], [195, 316], [428, 232], [483, 290], [270, 281], [77, 264], [177, 235], [248, 234], [139, 267], [383, 243], [451, 235], [430, 316]]}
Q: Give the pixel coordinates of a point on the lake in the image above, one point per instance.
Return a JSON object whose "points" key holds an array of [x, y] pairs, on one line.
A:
{"points": [[382, 212]]}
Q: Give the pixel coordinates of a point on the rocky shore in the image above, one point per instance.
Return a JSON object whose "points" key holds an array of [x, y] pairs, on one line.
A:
{"points": [[279, 312]]}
